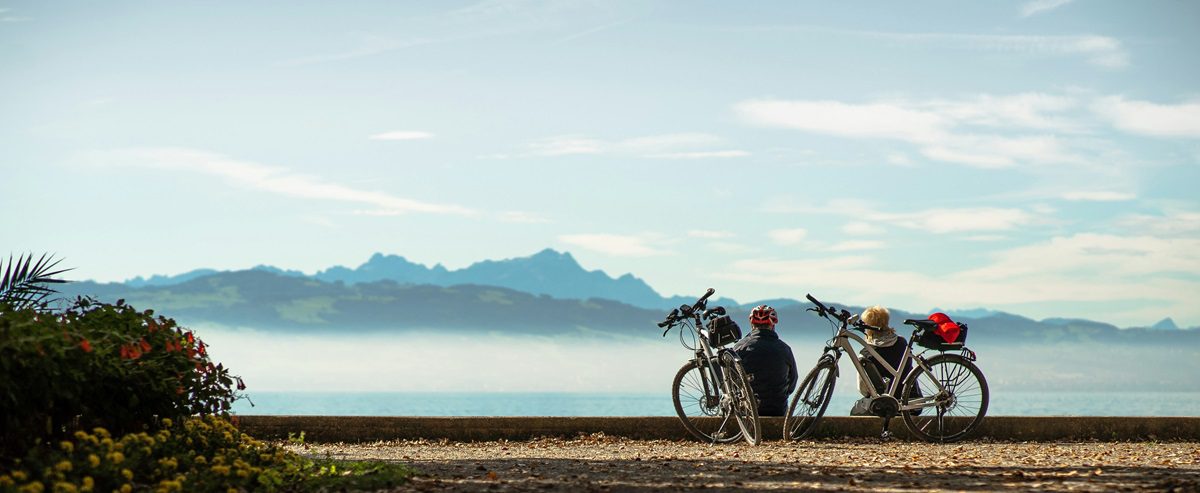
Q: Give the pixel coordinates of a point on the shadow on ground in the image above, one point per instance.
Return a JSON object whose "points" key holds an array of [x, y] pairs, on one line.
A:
{"points": [[533, 474]]}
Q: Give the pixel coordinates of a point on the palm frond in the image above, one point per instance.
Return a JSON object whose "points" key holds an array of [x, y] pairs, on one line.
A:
{"points": [[26, 282]]}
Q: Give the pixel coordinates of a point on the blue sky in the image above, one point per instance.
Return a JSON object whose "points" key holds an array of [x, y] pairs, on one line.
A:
{"points": [[1037, 157]]}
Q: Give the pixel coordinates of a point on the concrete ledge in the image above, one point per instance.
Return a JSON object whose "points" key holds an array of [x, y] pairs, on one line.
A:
{"points": [[1008, 428]]}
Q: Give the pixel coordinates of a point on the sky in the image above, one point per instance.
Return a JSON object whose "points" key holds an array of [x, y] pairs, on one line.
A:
{"points": [[1038, 157]]}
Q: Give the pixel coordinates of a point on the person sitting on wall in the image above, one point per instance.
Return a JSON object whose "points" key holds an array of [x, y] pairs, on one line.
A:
{"points": [[769, 362], [889, 345]]}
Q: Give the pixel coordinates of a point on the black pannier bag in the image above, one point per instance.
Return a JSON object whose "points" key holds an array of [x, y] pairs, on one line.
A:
{"points": [[928, 339], [723, 330]]}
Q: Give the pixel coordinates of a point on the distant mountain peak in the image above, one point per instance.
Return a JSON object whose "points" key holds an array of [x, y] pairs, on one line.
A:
{"points": [[1165, 324]]}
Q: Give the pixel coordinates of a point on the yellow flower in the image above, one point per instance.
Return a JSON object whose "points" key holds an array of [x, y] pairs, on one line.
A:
{"points": [[62, 487], [201, 460], [101, 432], [167, 422], [64, 466], [93, 460], [6, 480], [19, 475], [34, 488], [231, 490], [126, 488], [108, 443], [128, 474], [88, 484], [79, 435], [116, 457], [67, 447]]}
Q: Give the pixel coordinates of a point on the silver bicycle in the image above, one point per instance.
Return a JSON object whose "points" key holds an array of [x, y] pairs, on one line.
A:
{"points": [[712, 393], [941, 399]]}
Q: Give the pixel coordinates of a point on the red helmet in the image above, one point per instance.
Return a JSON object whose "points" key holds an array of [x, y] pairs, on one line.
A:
{"points": [[763, 315]]}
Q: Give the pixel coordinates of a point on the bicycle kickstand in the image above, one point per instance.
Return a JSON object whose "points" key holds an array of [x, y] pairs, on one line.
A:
{"points": [[886, 435]]}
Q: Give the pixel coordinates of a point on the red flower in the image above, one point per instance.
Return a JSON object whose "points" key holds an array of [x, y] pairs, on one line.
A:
{"points": [[124, 351], [85, 345], [203, 352], [145, 346], [189, 337], [153, 326]]}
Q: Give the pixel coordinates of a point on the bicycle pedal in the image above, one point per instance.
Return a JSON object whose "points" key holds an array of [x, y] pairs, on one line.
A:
{"points": [[886, 436]]}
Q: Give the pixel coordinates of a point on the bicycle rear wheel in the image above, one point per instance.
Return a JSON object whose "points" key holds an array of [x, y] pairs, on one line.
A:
{"points": [[947, 415], [810, 401], [743, 402], [697, 397]]}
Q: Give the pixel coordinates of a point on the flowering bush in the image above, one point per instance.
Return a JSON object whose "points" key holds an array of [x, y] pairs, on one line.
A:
{"points": [[101, 365], [195, 454]]}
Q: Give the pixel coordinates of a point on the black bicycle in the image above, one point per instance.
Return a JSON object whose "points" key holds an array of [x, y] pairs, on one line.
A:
{"points": [[712, 393], [942, 399]]}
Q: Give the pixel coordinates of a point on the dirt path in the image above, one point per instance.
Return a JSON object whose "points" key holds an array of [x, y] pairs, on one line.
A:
{"points": [[598, 463]]}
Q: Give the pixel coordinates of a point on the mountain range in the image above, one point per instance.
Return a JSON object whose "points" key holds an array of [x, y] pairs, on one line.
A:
{"points": [[547, 272], [544, 293]]}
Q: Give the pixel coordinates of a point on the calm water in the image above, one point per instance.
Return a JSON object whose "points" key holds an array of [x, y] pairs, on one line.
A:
{"points": [[659, 404]]}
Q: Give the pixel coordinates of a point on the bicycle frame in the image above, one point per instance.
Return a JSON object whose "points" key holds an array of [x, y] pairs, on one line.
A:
{"points": [[704, 353], [841, 343]]}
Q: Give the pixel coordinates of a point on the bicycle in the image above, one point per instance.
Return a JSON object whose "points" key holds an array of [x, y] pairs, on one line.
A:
{"points": [[712, 387], [947, 385]]}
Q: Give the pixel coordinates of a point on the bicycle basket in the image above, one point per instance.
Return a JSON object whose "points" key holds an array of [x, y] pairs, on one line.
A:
{"points": [[928, 339], [723, 330]]}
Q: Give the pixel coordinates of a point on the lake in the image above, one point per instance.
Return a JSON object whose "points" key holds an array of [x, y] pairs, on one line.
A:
{"points": [[1014, 403]]}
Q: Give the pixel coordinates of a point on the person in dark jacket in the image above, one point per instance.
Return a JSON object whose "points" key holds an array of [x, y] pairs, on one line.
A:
{"points": [[769, 362]]}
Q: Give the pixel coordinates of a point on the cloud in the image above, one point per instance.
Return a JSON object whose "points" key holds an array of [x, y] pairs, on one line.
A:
{"points": [[663, 146], [958, 220], [1153, 119], [1167, 225], [1076, 269], [855, 245], [403, 135], [522, 217], [1038, 6], [787, 236], [701, 154], [975, 131], [861, 228], [271, 179], [1098, 196], [709, 234], [367, 45], [613, 244]]}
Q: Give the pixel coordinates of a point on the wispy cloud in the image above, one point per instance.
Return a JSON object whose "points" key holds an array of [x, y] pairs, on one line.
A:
{"points": [[402, 135], [1074, 269], [522, 217], [867, 219], [1153, 119], [614, 244], [367, 45], [709, 234], [662, 146], [1097, 196], [1101, 51], [787, 236], [974, 131], [1039, 6], [271, 179], [861, 228]]}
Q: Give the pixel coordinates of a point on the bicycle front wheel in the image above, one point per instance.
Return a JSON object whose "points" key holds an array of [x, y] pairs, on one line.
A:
{"points": [[743, 402], [810, 401], [697, 397], [952, 395]]}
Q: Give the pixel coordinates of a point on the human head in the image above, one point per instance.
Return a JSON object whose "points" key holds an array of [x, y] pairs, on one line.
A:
{"points": [[763, 317], [876, 317]]}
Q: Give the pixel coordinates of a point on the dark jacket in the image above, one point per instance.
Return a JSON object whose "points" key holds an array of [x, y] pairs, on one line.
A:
{"points": [[770, 362]]}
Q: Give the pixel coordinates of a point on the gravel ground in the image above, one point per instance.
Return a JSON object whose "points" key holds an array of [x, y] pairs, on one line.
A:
{"points": [[599, 463]]}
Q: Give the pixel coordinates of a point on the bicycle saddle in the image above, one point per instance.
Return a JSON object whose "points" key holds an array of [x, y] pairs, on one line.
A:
{"points": [[926, 324]]}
